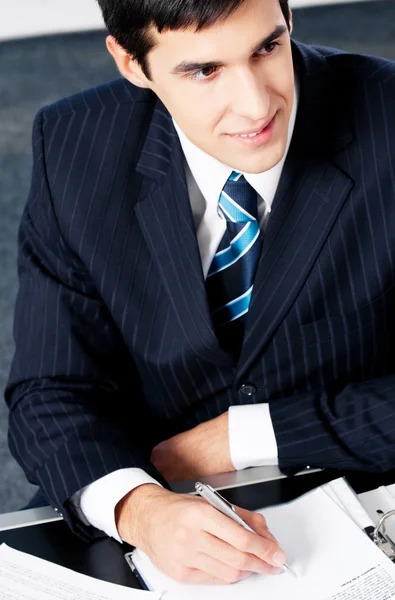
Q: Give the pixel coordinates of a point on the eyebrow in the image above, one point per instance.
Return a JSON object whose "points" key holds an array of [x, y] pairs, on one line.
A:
{"points": [[188, 67]]}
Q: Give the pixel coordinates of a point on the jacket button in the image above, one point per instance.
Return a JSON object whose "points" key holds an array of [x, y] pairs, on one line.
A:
{"points": [[247, 389]]}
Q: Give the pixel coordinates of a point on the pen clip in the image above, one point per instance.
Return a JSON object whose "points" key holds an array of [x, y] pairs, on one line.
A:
{"points": [[222, 498]]}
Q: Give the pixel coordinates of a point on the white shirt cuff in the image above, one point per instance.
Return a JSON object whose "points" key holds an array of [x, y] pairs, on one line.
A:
{"points": [[252, 440], [95, 504]]}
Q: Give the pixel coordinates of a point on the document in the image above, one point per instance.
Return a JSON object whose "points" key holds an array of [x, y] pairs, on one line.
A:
{"points": [[25, 577], [333, 557], [372, 585]]}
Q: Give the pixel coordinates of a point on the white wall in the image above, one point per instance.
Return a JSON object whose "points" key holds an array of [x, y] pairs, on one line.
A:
{"points": [[21, 18]]}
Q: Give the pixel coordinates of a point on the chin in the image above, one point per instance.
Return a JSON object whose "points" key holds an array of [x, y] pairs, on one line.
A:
{"points": [[264, 161], [261, 166]]}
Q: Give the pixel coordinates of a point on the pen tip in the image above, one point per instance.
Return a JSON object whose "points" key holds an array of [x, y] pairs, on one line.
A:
{"points": [[290, 570]]}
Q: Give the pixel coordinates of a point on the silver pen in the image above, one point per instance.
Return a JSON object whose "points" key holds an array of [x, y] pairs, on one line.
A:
{"points": [[226, 508]]}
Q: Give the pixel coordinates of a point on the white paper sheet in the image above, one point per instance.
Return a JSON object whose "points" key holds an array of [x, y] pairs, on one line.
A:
{"points": [[379, 499], [330, 553], [391, 490], [25, 577], [341, 492]]}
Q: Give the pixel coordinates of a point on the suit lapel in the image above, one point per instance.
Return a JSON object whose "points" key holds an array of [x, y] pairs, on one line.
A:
{"points": [[311, 193], [165, 216]]}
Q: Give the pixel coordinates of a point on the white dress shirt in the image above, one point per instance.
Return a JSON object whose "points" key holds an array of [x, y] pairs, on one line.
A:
{"points": [[252, 440]]}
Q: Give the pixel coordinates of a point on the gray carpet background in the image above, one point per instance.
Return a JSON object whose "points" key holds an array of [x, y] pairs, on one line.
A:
{"points": [[38, 71]]}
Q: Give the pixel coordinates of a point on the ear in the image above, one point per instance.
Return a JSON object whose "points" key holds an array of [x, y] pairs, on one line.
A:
{"points": [[291, 22], [127, 66]]}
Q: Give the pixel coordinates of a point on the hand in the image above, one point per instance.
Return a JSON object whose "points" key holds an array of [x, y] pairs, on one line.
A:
{"points": [[192, 542], [201, 451]]}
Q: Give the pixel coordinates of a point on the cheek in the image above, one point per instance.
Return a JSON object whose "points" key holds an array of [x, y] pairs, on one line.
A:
{"points": [[202, 115], [197, 109], [285, 98], [280, 78]]}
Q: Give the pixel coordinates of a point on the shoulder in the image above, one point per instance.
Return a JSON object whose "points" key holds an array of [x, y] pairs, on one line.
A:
{"points": [[94, 122], [105, 97], [359, 68], [86, 147], [357, 81]]}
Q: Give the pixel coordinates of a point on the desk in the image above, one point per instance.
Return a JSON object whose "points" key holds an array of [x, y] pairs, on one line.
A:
{"points": [[43, 533]]}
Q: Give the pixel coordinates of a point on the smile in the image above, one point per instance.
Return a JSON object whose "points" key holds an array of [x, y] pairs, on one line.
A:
{"points": [[256, 138]]}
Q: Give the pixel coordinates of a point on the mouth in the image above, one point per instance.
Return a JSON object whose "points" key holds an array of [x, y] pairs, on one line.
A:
{"points": [[256, 138]]}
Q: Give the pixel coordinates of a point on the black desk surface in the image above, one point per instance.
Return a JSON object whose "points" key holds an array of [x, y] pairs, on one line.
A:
{"points": [[104, 558]]}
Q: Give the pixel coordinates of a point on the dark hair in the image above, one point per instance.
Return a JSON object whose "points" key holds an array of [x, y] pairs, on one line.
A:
{"points": [[128, 21]]}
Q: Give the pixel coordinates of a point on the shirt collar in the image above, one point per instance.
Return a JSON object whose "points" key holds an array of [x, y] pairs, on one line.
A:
{"points": [[211, 175]]}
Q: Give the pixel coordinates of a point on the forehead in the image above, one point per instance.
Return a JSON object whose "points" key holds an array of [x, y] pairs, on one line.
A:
{"points": [[226, 39]]}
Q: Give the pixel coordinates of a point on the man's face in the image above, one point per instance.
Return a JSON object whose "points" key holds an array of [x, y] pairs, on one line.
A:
{"points": [[249, 89]]}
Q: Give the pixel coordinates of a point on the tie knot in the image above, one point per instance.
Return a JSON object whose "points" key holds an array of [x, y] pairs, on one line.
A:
{"points": [[239, 201]]}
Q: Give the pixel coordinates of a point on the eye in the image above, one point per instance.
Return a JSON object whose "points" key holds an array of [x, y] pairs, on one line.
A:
{"points": [[269, 48], [204, 74]]}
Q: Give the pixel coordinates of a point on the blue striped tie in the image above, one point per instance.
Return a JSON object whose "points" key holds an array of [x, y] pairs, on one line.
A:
{"points": [[231, 275]]}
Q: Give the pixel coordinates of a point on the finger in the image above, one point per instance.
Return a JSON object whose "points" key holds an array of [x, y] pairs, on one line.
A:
{"points": [[234, 534], [257, 522], [217, 569], [230, 556]]}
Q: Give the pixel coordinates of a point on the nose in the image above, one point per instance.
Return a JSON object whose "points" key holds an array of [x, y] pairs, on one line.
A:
{"points": [[250, 96]]}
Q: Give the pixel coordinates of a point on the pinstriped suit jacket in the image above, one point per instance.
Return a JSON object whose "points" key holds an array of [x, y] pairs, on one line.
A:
{"points": [[115, 349]]}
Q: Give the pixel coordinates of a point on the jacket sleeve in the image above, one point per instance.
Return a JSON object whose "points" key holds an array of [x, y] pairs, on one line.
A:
{"points": [[76, 410], [353, 429]]}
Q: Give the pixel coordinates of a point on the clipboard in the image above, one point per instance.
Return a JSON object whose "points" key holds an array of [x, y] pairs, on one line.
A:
{"points": [[377, 535], [129, 559], [341, 492]]}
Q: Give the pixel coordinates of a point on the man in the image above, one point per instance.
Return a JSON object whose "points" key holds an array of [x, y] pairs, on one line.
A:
{"points": [[206, 278]]}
